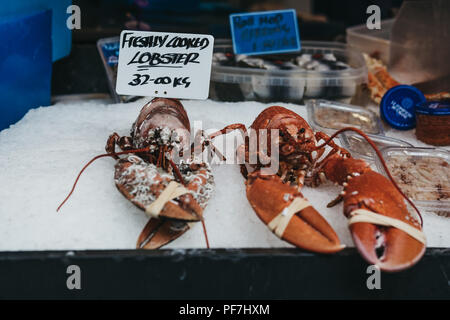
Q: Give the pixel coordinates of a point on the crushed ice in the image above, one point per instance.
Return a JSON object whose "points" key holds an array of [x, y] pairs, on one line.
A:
{"points": [[41, 155]]}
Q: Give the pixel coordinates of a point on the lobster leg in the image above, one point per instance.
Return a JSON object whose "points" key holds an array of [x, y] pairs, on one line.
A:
{"points": [[231, 127], [306, 228], [243, 157], [199, 146], [203, 141], [336, 149], [114, 139], [392, 248]]}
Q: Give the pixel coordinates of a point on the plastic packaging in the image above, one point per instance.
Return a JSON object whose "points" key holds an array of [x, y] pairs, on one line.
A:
{"points": [[276, 84], [423, 174], [360, 148], [420, 45], [329, 116], [374, 42]]}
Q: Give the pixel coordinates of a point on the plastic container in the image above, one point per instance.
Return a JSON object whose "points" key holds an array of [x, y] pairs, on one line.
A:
{"points": [[109, 53], [232, 83], [329, 116], [423, 174], [373, 42], [361, 149], [433, 122]]}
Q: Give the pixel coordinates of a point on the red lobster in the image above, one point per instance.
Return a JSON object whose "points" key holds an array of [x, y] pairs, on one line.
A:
{"points": [[382, 228], [147, 174]]}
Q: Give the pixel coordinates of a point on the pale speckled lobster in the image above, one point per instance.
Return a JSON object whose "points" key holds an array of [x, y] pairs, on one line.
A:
{"points": [[146, 174], [391, 240]]}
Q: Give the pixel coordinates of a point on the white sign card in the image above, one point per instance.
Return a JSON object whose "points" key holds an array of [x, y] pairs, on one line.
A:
{"points": [[163, 64]]}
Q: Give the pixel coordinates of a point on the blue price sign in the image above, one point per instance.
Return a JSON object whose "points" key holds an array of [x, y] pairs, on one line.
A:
{"points": [[265, 32]]}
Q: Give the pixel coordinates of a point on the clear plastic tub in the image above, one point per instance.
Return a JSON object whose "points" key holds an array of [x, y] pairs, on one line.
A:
{"points": [[423, 174], [234, 83], [330, 116], [373, 42], [109, 53], [360, 148]]}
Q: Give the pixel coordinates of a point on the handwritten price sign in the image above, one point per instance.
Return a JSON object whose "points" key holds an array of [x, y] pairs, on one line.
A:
{"points": [[162, 64], [265, 32]]}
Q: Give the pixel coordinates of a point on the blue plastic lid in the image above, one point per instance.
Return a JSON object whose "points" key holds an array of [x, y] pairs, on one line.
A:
{"points": [[398, 106], [434, 108]]}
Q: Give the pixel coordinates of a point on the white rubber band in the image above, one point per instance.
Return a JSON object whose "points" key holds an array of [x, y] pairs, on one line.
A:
{"points": [[279, 224], [172, 191], [362, 215]]}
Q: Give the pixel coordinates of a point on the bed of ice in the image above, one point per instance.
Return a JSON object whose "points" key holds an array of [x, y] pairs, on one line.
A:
{"points": [[41, 155]]}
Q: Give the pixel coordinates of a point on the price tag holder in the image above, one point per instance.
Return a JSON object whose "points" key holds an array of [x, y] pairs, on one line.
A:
{"points": [[265, 32], [163, 64]]}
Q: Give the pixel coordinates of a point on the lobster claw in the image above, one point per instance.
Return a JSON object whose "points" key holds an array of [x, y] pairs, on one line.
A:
{"points": [[143, 182], [158, 233], [390, 248], [171, 206], [385, 247], [305, 228]]}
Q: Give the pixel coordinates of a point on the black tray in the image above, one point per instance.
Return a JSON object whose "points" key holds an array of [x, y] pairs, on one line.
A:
{"points": [[217, 274]]}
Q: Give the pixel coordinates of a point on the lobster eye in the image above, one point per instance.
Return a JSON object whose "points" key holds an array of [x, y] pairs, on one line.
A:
{"points": [[302, 130]]}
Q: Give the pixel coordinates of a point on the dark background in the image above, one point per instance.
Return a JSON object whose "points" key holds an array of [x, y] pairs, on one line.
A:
{"points": [[218, 274], [324, 20]]}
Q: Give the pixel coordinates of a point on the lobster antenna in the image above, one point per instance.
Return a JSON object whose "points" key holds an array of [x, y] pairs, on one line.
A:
{"points": [[92, 160], [377, 151], [205, 233]]}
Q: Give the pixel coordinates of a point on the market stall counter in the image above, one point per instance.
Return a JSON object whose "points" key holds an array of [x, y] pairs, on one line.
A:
{"points": [[97, 228]]}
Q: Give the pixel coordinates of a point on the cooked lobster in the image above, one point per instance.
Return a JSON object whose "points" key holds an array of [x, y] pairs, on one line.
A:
{"points": [[383, 229], [172, 194]]}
